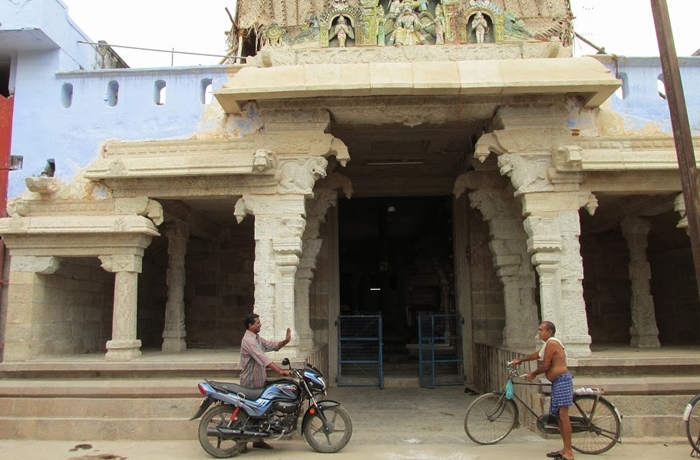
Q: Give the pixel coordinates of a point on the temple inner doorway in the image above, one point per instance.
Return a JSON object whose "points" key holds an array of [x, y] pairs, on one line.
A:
{"points": [[396, 260]]}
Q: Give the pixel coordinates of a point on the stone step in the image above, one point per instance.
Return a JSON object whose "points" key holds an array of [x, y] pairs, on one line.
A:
{"points": [[88, 428], [642, 384], [635, 365], [100, 388], [113, 408]]}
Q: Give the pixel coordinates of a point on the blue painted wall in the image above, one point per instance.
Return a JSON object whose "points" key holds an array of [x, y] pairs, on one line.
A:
{"points": [[641, 103], [41, 42], [44, 128]]}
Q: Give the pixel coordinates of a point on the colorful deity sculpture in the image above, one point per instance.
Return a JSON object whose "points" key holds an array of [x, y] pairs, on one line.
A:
{"points": [[342, 30], [408, 27]]}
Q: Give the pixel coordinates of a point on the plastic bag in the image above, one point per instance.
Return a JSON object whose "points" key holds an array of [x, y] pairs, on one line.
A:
{"points": [[509, 390]]}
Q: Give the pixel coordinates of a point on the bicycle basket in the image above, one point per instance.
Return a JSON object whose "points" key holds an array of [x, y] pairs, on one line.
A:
{"points": [[509, 390]]}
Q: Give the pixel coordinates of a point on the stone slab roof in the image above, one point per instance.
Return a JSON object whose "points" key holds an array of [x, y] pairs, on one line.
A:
{"points": [[583, 76]]}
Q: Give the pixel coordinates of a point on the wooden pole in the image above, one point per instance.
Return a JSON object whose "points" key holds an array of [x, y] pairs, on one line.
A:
{"points": [[681, 126]]}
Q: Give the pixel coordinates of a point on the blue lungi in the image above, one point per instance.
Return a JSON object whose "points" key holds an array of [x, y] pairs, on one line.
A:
{"points": [[562, 393]]}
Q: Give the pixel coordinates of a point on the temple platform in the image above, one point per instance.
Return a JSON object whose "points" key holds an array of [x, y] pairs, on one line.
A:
{"points": [[87, 397]]}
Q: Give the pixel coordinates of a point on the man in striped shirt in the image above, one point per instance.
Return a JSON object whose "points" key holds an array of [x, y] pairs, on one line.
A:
{"points": [[253, 359]]}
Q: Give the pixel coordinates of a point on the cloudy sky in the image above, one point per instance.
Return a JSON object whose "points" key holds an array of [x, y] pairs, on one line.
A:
{"points": [[623, 27]]}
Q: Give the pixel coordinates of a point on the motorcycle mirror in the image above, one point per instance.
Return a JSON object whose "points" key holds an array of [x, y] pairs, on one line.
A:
{"points": [[285, 362]]}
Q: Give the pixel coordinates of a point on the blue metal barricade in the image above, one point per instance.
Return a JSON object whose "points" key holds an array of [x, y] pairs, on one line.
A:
{"points": [[440, 350], [360, 350]]}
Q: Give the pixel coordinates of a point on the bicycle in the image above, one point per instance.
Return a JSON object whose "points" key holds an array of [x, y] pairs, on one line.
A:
{"points": [[691, 416], [595, 421]]}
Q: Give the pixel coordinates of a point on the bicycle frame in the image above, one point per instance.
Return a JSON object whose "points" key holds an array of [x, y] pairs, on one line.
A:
{"points": [[579, 423]]}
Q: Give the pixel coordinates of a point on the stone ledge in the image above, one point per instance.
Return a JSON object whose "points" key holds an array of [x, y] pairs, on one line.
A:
{"points": [[634, 361], [584, 76], [102, 388], [641, 385]]}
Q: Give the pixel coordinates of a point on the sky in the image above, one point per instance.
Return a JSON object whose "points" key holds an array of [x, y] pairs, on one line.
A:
{"points": [[623, 27]]}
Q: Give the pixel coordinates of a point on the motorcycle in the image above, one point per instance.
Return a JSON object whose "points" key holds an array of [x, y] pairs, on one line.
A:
{"points": [[241, 415]]}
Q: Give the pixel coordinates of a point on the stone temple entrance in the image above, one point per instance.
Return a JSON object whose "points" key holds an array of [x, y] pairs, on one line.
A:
{"points": [[395, 256]]}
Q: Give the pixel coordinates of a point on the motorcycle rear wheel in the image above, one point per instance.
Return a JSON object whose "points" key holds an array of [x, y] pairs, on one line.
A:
{"points": [[214, 445], [329, 442]]}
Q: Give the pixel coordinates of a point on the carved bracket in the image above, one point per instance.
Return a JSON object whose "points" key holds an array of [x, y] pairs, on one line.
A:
{"points": [[122, 263], [44, 186], [34, 264], [527, 173], [679, 207], [299, 176]]}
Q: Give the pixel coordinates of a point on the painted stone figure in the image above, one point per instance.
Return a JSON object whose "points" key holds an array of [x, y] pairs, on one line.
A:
{"points": [[310, 33], [395, 7], [342, 30], [407, 31], [479, 27], [422, 5], [439, 26], [381, 23]]}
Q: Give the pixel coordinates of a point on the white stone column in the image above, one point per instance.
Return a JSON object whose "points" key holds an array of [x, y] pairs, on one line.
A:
{"points": [[512, 262], [174, 331], [553, 242], [578, 341], [644, 331], [530, 138], [264, 270], [287, 245], [124, 345], [25, 296], [279, 225], [316, 215]]}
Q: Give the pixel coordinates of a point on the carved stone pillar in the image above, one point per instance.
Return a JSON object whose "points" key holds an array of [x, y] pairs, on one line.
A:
{"points": [[174, 331], [512, 262], [553, 241], [287, 245], [279, 225], [316, 213], [529, 138], [644, 331], [301, 295], [124, 346], [25, 296]]}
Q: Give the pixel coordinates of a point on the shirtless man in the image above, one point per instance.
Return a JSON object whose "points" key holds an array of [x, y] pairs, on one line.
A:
{"points": [[552, 363]]}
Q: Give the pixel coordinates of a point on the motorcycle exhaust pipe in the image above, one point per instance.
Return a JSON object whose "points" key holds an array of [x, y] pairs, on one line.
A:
{"points": [[235, 434]]}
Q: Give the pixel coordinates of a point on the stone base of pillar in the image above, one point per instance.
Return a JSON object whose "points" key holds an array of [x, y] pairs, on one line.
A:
{"points": [[290, 351], [174, 344], [123, 350], [305, 344], [645, 341], [577, 346]]}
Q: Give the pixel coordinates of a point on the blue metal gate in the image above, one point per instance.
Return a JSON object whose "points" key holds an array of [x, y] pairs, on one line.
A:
{"points": [[360, 350], [440, 350]]}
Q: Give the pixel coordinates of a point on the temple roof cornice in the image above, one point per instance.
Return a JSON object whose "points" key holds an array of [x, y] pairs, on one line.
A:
{"points": [[581, 76]]}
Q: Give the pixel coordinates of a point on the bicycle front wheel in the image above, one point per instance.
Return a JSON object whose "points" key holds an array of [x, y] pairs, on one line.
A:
{"points": [[490, 418], [595, 424], [692, 423]]}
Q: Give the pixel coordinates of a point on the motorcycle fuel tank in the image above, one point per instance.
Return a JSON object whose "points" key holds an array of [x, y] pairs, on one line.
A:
{"points": [[282, 390]]}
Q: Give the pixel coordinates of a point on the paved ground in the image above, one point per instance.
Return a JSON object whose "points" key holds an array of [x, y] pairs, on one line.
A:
{"points": [[515, 446], [397, 424]]}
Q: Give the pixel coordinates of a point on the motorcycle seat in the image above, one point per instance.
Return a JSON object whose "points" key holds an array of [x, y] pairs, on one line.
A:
{"points": [[248, 393]]}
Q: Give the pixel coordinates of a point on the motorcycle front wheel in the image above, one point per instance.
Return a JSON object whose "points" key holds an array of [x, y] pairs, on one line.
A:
{"points": [[209, 437], [339, 436]]}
